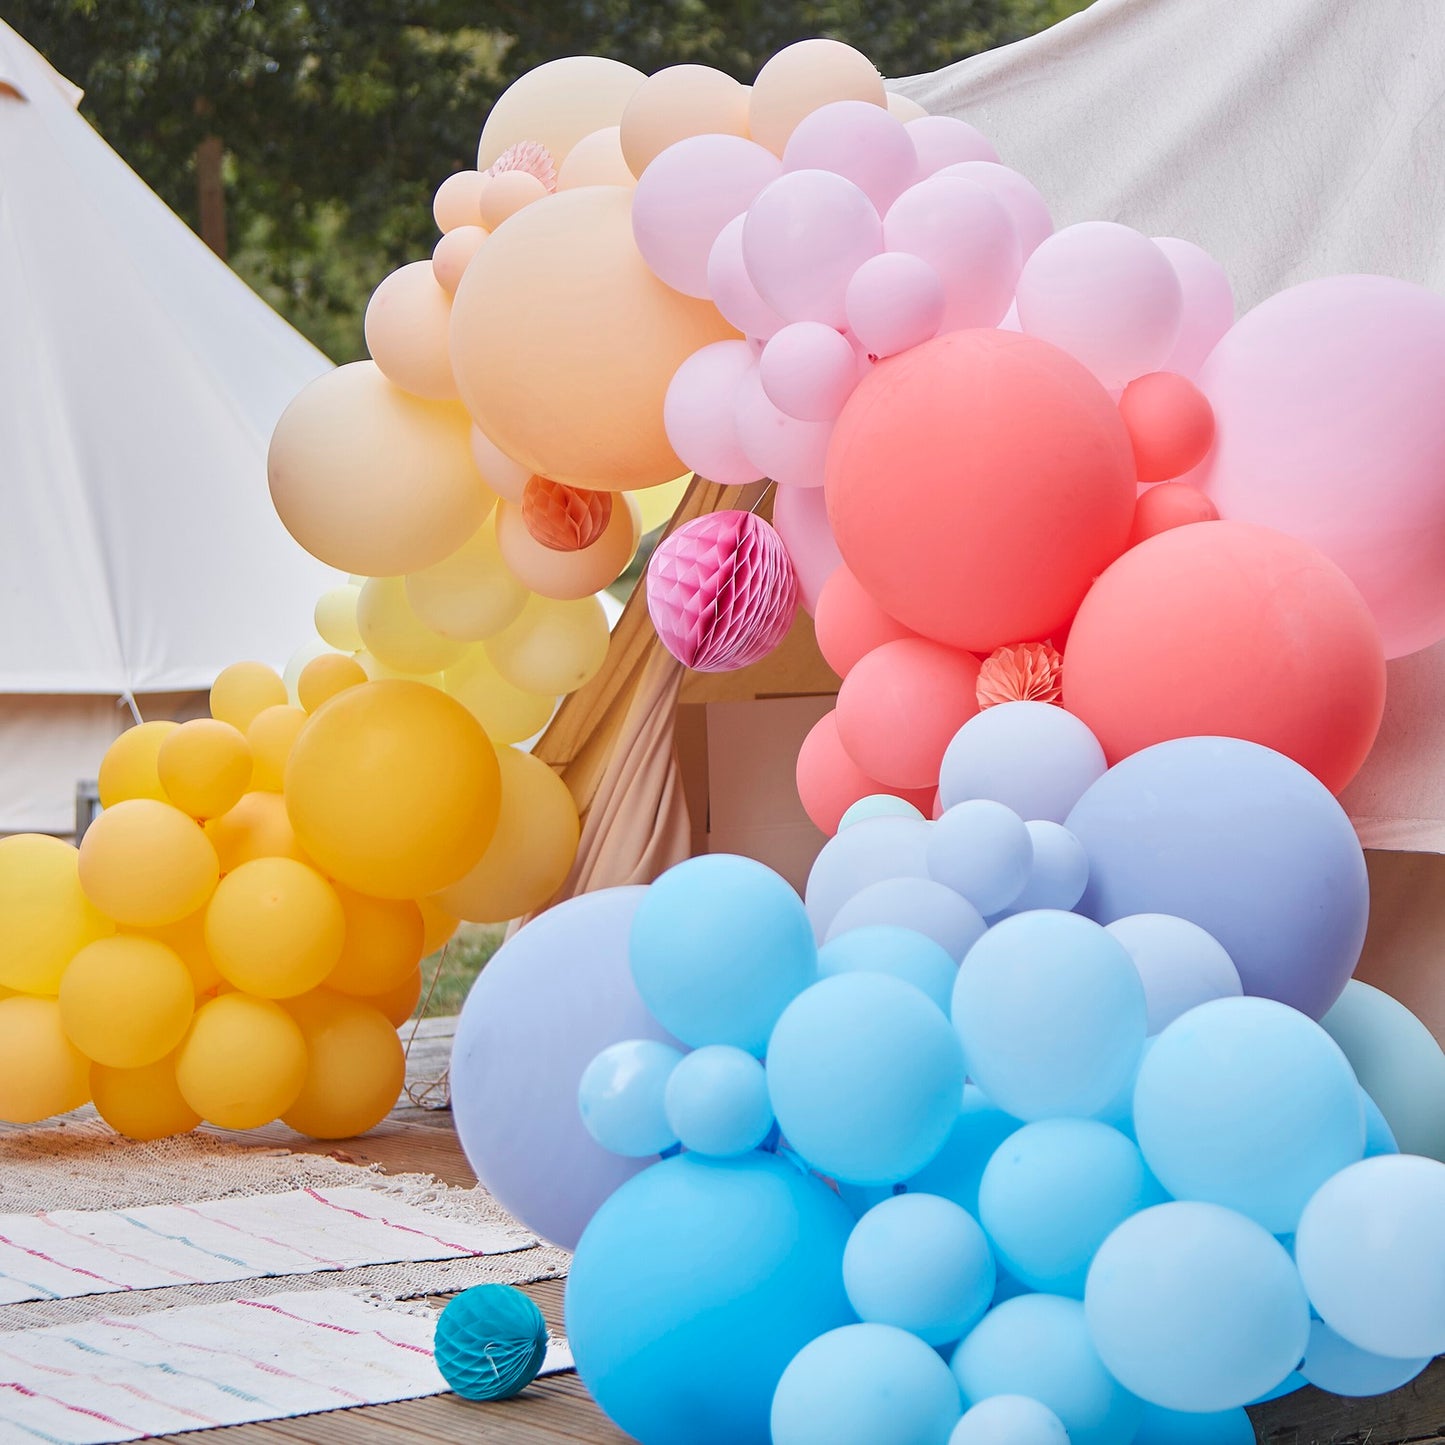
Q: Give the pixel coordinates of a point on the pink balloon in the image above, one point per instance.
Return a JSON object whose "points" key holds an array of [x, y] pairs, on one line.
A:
{"points": [[700, 413], [1208, 306], [685, 198], [1106, 295], [830, 782], [1018, 195], [967, 237], [856, 139], [732, 289], [1329, 427], [809, 370], [1011, 321], [805, 236], [943, 140], [895, 301], [789, 451], [800, 518]]}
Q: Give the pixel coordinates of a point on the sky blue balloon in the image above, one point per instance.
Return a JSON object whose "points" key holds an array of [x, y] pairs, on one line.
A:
{"points": [[1287, 1386], [694, 1286], [1031, 756], [1053, 1192], [917, 903], [1379, 1137], [1341, 1368], [1249, 1104], [1059, 872], [1196, 1308], [620, 1096], [1371, 1250], [863, 1384], [866, 1077], [1245, 843], [1009, 1420], [1051, 1014], [1038, 1345], [1180, 965], [983, 851], [860, 856], [920, 1262], [720, 946], [878, 805], [899, 952], [717, 1101], [1177, 1427]]}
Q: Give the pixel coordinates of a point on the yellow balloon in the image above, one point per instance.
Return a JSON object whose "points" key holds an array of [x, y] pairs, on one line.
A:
{"points": [[204, 767], [406, 325], [335, 617], [393, 789], [378, 671], [356, 1071], [569, 576], [41, 1071], [471, 594], [142, 1103], [439, 924], [596, 160], [186, 938], [398, 1004], [323, 677], [681, 101], [553, 647], [558, 103], [275, 928], [534, 846], [145, 863], [242, 690], [45, 917], [655, 505], [271, 736], [802, 78], [126, 1001], [395, 636], [242, 1063], [128, 769], [506, 713], [384, 938], [257, 827]]}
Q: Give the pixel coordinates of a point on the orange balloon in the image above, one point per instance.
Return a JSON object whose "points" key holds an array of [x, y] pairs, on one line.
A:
{"points": [[204, 767], [596, 160], [455, 203], [681, 101], [145, 863], [143, 1103], [452, 255], [383, 943], [439, 924], [398, 1004], [243, 1062], [1170, 504], [355, 1067], [1171, 424], [271, 736], [568, 576], [186, 938], [803, 78], [558, 103], [323, 677], [242, 690], [407, 320], [257, 827]]}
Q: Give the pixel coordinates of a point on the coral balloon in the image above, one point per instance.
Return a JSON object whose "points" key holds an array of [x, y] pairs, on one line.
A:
{"points": [[1169, 505], [596, 160], [393, 633], [568, 576], [802, 78], [1229, 630], [383, 943], [455, 204], [146, 863], [553, 647], [566, 519], [977, 485], [355, 1067], [830, 782], [506, 713], [406, 326], [257, 827], [1171, 424], [41, 1071], [323, 677], [242, 690], [142, 1103], [335, 617], [243, 1062], [678, 102], [126, 1001], [48, 918], [557, 104], [940, 141], [450, 258], [469, 595], [128, 769], [700, 412], [204, 767], [848, 623], [270, 738]]}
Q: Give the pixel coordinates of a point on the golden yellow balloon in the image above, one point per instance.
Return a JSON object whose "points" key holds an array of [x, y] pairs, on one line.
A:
{"points": [[438, 924], [45, 917], [271, 736], [569, 576], [395, 636], [383, 946], [204, 767], [398, 1004], [558, 103], [393, 789], [242, 690], [126, 1001], [143, 1103], [596, 160], [534, 846], [257, 827], [128, 769], [553, 647], [506, 713], [186, 938], [242, 1063], [406, 326], [275, 928], [145, 863], [471, 594], [335, 617], [681, 101], [357, 1067], [655, 505], [41, 1071], [323, 677]]}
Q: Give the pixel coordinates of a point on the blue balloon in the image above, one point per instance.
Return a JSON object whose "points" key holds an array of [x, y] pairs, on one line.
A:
{"points": [[1245, 843], [1341, 1368], [867, 853], [1031, 756], [1053, 1192], [920, 1262], [1051, 1014], [1177, 1427], [898, 952], [917, 903], [878, 805], [1194, 1307], [1247, 1103], [1180, 965], [863, 1384], [1379, 1138], [1009, 1420], [1059, 872], [866, 1077], [621, 1095], [720, 946], [1038, 1345], [694, 1286], [1287, 1386], [982, 851], [717, 1101]]}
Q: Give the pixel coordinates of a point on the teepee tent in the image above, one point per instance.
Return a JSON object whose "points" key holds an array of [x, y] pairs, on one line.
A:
{"points": [[140, 380]]}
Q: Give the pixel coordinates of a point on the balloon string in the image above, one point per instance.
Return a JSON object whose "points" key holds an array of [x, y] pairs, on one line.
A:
{"points": [[421, 1096]]}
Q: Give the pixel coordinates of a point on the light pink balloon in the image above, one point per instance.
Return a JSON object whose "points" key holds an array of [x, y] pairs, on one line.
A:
{"points": [[732, 289], [805, 236], [685, 198], [895, 301], [700, 413], [789, 451], [1327, 404], [1017, 194], [1208, 308], [1106, 295], [860, 141], [800, 518], [943, 140], [809, 370], [967, 237], [1011, 321]]}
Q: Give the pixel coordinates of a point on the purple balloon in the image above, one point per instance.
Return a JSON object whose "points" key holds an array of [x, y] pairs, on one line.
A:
{"points": [[1208, 304], [895, 301], [926, 907], [859, 140], [700, 413], [732, 289], [943, 140], [789, 451], [1018, 195], [800, 518], [808, 370]]}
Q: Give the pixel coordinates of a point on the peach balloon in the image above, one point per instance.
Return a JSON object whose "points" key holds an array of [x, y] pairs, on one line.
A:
{"points": [[506, 193], [407, 320], [452, 255], [371, 479], [455, 203], [564, 343], [506, 477], [803, 78], [596, 160], [904, 109], [470, 595], [557, 104], [553, 647], [569, 576], [681, 101]]}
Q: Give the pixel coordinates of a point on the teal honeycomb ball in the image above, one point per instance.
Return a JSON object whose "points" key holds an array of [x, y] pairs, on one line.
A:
{"points": [[490, 1342]]}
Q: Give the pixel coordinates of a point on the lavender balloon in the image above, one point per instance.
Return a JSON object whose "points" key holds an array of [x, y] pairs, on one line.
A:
{"points": [[859, 140], [895, 301], [700, 413], [800, 518]]}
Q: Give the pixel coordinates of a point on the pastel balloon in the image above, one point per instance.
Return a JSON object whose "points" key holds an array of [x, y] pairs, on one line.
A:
{"points": [[1058, 870], [244, 690], [128, 769], [355, 1066], [778, 446], [700, 412], [919, 904], [717, 1102], [859, 140], [1018, 195], [904, 107], [406, 324], [455, 202], [568, 576], [1009, 1420], [142, 1103], [470, 594], [1180, 965], [1208, 304], [982, 851], [732, 289], [126, 1001], [808, 370], [335, 618], [800, 518], [43, 1073], [898, 952], [1169, 505], [866, 853], [675, 103], [944, 140], [620, 1097], [1171, 424], [452, 255], [802, 78], [505, 476], [1189, 1427], [1335, 1365], [893, 302], [849, 625], [393, 633], [553, 647], [48, 917], [382, 944], [558, 103], [257, 827], [145, 863], [507, 713], [829, 781], [596, 160], [243, 1063]]}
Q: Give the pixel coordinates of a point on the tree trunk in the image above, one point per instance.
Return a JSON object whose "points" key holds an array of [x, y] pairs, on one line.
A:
{"points": [[210, 188]]}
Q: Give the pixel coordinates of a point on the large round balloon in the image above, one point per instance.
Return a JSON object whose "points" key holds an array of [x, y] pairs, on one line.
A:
{"points": [[1229, 630], [555, 105], [48, 918], [977, 485]]}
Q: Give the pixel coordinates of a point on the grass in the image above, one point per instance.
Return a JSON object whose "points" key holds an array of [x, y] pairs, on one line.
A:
{"points": [[455, 967]]}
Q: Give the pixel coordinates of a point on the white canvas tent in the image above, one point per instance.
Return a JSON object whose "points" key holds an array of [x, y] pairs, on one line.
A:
{"points": [[140, 380]]}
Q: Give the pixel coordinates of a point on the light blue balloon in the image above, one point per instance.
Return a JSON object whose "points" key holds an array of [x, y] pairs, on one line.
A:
{"points": [[878, 805], [866, 1077], [1246, 1103], [694, 1286], [1009, 1420], [720, 946], [1196, 1308], [899, 952], [621, 1097], [1179, 964], [983, 851], [1379, 1139], [866, 853], [1176, 1427], [917, 903], [1031, 756], [1341, 1368], [1287, 1386], [717, 1102], [1038, 1345], [919, 1262], [1059, 872], [863, 1384], [1051, 1014], [1245, 843], [1053, 1192]]}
